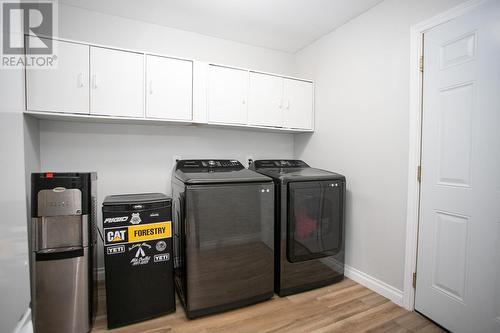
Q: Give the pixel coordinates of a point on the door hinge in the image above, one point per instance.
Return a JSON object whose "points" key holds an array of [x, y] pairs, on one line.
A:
{"points": [[419, 173], [421, 64], [414, 282]]}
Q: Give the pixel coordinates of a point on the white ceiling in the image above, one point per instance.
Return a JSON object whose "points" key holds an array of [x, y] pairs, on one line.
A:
{"points": [[286, 25]]}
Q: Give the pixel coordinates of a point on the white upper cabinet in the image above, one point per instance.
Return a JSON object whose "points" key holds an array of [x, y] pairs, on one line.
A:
{"points": [[169, 88], [265, 100], [227, 95], [298, 102], [64, 88], [280, 102], [93, 81], [117, 82]]}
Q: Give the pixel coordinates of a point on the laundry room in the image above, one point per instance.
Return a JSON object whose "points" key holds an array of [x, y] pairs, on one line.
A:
{"points": [[250, 166]]}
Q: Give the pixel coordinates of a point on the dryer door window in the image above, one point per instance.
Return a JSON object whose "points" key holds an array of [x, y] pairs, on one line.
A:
{"points": [[315, 215]]}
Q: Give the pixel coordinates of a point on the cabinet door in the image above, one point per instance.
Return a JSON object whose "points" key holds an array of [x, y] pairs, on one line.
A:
{"points": [[265, 100], [64, 88], [299, 104], [227, 95], [169, 92], [117, 81]]}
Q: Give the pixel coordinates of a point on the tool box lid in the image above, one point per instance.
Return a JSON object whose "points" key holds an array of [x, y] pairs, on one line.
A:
{"points": [[140, 198]]}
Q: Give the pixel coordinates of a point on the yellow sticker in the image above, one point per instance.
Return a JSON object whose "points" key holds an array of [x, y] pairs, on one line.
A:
{"points": [[151, 231]]}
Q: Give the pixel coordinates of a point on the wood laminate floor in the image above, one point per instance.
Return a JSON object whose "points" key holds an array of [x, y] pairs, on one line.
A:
{"points": [[342, 307]]}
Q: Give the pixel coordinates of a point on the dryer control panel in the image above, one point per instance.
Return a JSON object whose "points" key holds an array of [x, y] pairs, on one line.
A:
{"points": [[209, 164], [280, 164]]}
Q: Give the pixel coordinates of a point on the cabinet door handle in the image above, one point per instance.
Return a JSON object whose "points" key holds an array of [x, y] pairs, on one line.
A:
{"points": [[80, 80], [288, 104], [151, 87], [94, 81]]}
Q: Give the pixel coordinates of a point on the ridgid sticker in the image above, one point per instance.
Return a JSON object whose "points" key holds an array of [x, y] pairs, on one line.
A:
{"points": [[148, 232], [116, 235], [140, 257], [116, 219]]}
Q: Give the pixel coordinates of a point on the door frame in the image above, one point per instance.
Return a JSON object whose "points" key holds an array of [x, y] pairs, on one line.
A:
{"points": [[415, 140]]}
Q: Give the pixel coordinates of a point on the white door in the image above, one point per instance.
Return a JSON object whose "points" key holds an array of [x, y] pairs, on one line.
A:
{"points": [[169, 92], [458, 271], [265, 100], [65, 88], [298, 104], [227, 95], [117, 83]]}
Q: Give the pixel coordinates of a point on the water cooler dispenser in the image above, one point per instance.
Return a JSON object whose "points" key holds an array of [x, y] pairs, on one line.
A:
{"points": [[63, 246]]}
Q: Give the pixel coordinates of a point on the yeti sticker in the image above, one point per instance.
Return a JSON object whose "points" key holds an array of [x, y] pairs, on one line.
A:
{"points": [[161, 257], [115, 249], [136, 218]]}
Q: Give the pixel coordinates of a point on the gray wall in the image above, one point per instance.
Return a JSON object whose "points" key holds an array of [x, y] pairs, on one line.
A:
{"points": [[138, 158], [362, 83]]}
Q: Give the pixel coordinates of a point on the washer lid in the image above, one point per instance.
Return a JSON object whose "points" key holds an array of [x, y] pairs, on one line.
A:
{"points": [[293, 170], [216, 172], [141, 198]]}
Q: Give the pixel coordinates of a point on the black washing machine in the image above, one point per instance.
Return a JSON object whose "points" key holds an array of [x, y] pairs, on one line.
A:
{"points": [[223, 218], [309, 225]]}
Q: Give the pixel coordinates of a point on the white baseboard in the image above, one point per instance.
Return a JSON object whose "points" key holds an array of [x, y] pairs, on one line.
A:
{"points": [[382, 288], [24, 325]]}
